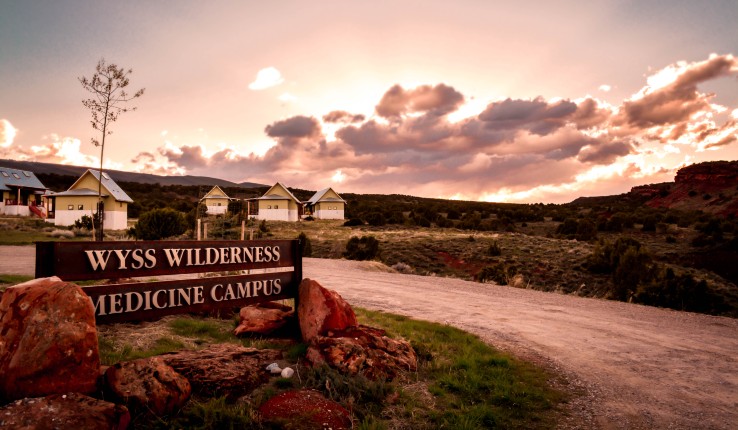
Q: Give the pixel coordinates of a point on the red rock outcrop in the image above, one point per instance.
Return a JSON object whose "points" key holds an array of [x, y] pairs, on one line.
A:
{"points": [[64, 411], [223, 369], [305, 409], [147, 384], [48, 340], [264, 318], [321, 311], [363, 350]]}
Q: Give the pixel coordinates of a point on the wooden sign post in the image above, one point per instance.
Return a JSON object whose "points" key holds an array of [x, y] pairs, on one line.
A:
{"points": [[273, 272]]}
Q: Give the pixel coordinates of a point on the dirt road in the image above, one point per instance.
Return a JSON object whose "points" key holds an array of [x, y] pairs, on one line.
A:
{"points": [[635, 366]]}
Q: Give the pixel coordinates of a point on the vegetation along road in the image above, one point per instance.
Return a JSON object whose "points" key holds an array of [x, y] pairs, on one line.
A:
{"points": [[630, 366]]}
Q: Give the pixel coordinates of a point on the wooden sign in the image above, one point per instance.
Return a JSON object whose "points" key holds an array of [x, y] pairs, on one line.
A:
{"points": [[274, 272]]}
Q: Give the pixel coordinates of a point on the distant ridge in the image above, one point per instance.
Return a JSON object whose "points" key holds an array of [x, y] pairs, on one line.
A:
{"points": [[121, 176], [711, 187]]}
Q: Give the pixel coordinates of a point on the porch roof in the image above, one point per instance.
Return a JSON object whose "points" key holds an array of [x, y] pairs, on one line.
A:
{"points": [[19, 179]]}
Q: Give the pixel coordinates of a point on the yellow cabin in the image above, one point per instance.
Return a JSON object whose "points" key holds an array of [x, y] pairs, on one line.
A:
{"points": [[81, 199]]}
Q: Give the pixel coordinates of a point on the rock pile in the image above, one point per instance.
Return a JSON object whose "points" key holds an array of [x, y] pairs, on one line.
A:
{"points": [[49, 362], [328, 324]]}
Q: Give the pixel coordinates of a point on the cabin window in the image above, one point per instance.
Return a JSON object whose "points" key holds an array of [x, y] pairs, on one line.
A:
{"points": [[80, 207], [276, 206], [220, 204], [28, 175], [269, 207], [120, 205], [70, 207], [16, 176], [6, 174]]}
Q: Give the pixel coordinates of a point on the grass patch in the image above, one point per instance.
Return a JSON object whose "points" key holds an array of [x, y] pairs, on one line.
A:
{"points": [[461, 383], [14, 279], [111, 353], [472, 384]]}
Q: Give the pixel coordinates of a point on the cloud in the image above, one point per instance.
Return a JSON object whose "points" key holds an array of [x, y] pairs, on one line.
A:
{"points": [[287, 97], [605, 88], [511, 149], [341, 116], [7, 133], [672, 96], [436, 100], [267, 77], [298, 126]]}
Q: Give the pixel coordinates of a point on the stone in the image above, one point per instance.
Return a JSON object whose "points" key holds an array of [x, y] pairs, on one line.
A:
{"points": [[304, 409], [48, 340], [64, 411], [321, 311], [223, 369], [363, 350], [147, 384], [287, 372], [263, 319]]}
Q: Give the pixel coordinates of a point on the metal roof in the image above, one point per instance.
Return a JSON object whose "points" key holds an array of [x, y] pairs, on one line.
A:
{"points": [[268, 196], [109, 184], [19, 178], [319, 195]]}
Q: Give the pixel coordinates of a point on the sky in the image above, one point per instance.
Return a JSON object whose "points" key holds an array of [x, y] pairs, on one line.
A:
{"points": [[506, 101]]}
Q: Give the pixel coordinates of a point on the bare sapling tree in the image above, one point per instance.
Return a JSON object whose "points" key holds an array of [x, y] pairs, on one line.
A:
{"points": [[109, 99]]}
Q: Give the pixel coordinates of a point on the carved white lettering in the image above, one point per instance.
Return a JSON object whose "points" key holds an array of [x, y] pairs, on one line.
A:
{"points": [[174, 256], [99, 305], [198, 295], [138, 260], [122, 255], [214, 293], [151, 258], [115, 303], [98, 258], [129, 301]]}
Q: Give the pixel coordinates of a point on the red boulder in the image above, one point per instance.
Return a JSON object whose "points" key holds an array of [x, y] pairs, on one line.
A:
{"points": [[64, 411], [364, 350], [223, 369], [148, 384], [305, 409], [321, 311], [48, 340], [264, 318]]}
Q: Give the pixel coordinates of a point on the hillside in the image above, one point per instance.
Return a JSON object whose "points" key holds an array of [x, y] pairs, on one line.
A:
{"points": [[710, 187], [121, 176]]}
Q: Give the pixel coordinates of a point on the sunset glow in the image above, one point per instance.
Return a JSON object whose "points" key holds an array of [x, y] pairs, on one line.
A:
{"points": [[465, 100]]}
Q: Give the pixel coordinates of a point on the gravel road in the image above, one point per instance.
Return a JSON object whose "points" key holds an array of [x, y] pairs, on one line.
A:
{"points": [[633, 366]]}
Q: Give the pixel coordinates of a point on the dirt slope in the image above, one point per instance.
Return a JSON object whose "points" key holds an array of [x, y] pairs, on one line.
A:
{"points": [[638, 367]]}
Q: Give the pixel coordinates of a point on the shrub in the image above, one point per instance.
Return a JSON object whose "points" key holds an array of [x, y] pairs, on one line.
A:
{"points": [[86, 221], [498, 273], [366, 248], [353, 222], [263, 227], [568, 227], [306, 248], [402, 268], [681, 292], [375, 219], [159, 224], [586, 230], [494, 249]]}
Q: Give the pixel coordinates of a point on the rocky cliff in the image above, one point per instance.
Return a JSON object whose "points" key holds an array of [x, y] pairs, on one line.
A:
{"points": [[711, 187]]}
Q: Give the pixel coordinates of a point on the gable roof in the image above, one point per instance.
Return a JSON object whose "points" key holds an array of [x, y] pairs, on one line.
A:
{"points": [[18, 178], [319, 195], [108, 183], [210, 194], [268, 196]]}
